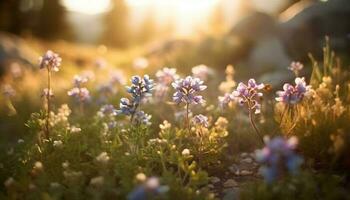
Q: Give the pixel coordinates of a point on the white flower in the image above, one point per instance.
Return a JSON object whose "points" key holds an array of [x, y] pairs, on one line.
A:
{"points": [[141, 177], [186, 152], [103, 158]]}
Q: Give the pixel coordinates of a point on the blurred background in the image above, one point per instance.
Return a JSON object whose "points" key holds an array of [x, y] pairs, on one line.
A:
{"points": [[259, 37]]}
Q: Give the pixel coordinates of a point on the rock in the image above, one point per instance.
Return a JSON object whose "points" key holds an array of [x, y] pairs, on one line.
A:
{"points": [[230, 183], [246, 173], [244, 155], [214, 179], [233, 168], [247, 160]]}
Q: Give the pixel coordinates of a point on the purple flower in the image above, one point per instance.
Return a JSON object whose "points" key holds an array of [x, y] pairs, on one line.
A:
{"points": [[201, 71], [50, 60], [108, 110], [117, 77], [80, 94], [142, 118], [166, 76], [293, 94], [186, 90], [278, 157], [225, 100], [200, 120], [296, 67], [249, 95], [79, 80]]}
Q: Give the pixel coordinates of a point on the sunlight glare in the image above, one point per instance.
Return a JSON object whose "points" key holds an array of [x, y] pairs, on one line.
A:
{"points": [[87, 6]]}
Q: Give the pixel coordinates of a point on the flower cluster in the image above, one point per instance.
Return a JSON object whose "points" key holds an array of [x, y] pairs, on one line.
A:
{"points": [[81, 94], [50, 60], [249, 95], [293, 94], [107, 110], [139, 89], [279, 157], [150, 188], [201, 71], [186, 90], [200, 120], [164, 76], [296, 67]]}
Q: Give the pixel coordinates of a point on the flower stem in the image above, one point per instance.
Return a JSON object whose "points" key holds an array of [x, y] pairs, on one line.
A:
{"points": [[188, 117], [47, 131], [254, 126]]}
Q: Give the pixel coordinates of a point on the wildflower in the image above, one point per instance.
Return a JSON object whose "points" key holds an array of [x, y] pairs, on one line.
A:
{"points": [[103, 158], [55, 185], [50, 60], [100, 63], [296, 67], [140, 63], [225, 100], [249, 94], [141, 177], [200, 120], [20, 141], [150, 187], [65, 165], [9, 182], [117, 77], [38, 166], [140, 87], [57, 143], [186, 90], [79, 80], [142, 118], [201, 71], [107, 110], [160, 92], [293, 94], [97, 181], [185, 152], [166, 76], [80, 94], [8, 91], [165, 125], [47, 92], [74, 129], [278, 157], [221, 123]]}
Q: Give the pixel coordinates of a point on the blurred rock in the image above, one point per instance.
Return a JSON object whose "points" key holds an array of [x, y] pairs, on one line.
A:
{"points": [[15, 49]]}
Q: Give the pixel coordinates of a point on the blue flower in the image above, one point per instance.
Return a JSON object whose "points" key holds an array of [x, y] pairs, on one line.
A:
{"points": [[108, 110], [142, 118], [278, 157]]}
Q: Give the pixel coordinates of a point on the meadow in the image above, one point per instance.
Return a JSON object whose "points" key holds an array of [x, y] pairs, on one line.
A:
{"points": [[113, 125]]}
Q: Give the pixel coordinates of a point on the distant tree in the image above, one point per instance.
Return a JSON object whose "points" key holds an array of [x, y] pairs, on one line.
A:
{"points": [[147, 30], [217, 20], [117, 31], [52, 22]]}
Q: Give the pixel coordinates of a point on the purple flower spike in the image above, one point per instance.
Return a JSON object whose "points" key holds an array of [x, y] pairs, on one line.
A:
{"points": [[186, 90], [50, 60]]}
